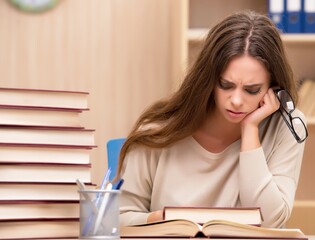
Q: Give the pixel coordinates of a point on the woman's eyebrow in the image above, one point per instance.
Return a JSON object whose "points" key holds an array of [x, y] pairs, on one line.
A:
{"points": [[221, 78], [253, 85], [247, 85]]}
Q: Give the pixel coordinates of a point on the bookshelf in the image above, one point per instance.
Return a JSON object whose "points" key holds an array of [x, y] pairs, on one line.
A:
{"points": [[300, 48]]}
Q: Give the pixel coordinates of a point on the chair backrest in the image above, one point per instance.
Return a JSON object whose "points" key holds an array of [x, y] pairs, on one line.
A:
{"points": [[113, 149]]}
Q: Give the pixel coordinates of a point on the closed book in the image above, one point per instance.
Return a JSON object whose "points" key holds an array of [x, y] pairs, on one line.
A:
{"points": [[294, 11], [44, 172], [46, 98], [41, 191], [277, 13], [45, 117], [201, 215], [40, 229], [28, 209], [309, 16], [41, 154], [211, 229], [47, 136]]}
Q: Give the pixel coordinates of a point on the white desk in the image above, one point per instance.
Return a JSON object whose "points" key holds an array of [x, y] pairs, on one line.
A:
{"points": [[309, 238]]}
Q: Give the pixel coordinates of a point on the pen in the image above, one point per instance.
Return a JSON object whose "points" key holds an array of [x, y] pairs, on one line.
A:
{"points": [[88, 224], [106, 204], [103, 185], [106, 178], [102, 208], [87, 197], [119, 184]]}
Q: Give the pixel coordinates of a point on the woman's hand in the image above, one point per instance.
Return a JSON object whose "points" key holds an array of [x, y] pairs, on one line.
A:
{"points": [[250, 131], [155, 216], [268, 105]]}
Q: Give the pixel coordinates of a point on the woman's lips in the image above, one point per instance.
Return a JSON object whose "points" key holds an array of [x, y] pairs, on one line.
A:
{"points": [[235, 114]]}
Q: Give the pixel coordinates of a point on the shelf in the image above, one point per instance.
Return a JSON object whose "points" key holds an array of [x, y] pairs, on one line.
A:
{"points": [[199, 34], [298, 38], [310, 120], [304, 203]]}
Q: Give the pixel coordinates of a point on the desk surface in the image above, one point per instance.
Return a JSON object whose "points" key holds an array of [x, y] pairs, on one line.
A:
{"points": [[309, 238], [312, 237]]}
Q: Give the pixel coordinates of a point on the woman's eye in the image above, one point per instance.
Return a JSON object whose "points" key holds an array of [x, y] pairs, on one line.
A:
{"points": [[253, 91], [225, 85]]}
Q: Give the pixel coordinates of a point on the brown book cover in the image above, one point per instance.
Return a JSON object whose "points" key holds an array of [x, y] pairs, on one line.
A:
{"points": [[41, 145], [40, 153], [42, 117], [44, 172], [41, 228], [47, 136], [28, 209], [40, 191], [44, 98]]}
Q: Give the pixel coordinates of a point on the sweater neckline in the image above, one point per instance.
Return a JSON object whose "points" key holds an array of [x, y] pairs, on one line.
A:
{"points": [[232, 147]]}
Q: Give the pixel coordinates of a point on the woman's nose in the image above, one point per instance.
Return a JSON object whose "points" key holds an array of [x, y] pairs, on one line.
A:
{"points": [[236, 98]]}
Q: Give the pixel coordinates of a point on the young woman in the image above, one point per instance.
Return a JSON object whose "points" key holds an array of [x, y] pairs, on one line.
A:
{"points": [[220, 141]]}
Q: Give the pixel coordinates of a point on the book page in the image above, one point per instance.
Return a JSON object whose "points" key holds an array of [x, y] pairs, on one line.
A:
{"points": [[232, 229]]}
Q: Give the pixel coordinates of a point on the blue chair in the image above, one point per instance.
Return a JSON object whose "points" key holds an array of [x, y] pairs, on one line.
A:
{"points": [[113, 149]]}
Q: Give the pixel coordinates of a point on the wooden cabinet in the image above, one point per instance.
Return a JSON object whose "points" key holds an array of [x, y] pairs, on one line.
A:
{"points": [[202, 15]]}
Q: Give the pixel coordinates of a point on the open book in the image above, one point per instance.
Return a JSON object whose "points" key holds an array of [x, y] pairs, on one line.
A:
{"points": [[213, 228]]}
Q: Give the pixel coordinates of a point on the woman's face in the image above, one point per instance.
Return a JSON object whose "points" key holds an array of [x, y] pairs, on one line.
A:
{"points": [[240, 88]]}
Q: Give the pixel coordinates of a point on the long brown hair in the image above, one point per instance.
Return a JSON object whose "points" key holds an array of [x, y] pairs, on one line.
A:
{"points": [[178, 116]]}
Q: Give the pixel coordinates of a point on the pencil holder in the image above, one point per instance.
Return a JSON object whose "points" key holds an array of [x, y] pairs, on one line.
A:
{"points": [[99, 214]]}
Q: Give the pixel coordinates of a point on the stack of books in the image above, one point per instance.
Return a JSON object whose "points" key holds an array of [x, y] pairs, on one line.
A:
{"points": [[44, 149]]}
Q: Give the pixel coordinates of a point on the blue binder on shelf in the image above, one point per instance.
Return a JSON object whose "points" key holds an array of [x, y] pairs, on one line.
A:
{"points": [[309, 16], [294, 16], [277, 13]]}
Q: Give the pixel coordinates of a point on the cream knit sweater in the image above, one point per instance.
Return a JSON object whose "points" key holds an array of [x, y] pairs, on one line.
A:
{"points": [[185, 174]]}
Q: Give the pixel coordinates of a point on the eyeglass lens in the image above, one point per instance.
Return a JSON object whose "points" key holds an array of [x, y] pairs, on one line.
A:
{"points": [[286, 101], [296, 123], [299, 128]]}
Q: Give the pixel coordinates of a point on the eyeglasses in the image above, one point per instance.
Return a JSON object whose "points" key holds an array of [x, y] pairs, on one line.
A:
{"points": [[295, 124]]}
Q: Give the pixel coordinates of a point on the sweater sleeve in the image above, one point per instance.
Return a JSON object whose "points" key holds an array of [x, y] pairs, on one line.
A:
{"points": [[138, 174], [270, 182]]}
